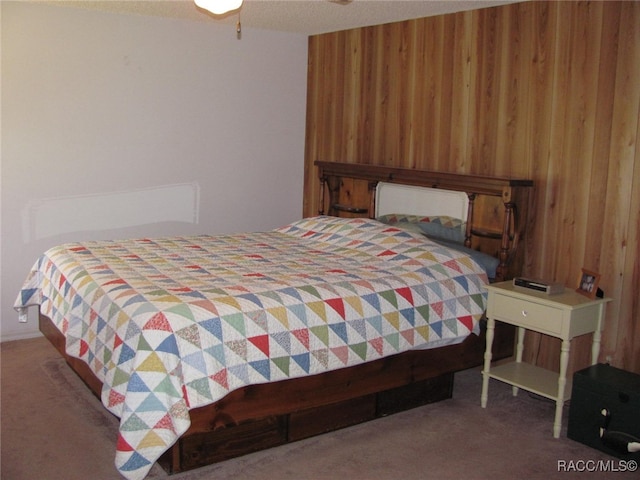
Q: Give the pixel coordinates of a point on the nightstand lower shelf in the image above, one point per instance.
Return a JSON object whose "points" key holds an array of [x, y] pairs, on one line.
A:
{"points": [[531, 378]]}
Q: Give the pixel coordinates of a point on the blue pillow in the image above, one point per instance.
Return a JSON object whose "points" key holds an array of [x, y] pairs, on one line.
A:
{"points": [[487, 262], [436, 227], [437, 231]]}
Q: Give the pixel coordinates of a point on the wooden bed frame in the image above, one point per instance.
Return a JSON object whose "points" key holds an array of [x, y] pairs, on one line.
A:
{"points": [[266, 415]]}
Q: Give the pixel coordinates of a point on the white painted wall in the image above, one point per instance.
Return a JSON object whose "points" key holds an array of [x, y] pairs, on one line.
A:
{"points": [[160, 126]]}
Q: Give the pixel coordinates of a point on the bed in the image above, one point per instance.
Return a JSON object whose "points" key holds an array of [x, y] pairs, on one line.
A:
{"points": [[210, 347]]}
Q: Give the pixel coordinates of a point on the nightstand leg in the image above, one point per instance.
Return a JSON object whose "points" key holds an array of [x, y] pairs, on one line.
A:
{"points": [[519, 349], [562, 382], [597, 335], [491, 325]]}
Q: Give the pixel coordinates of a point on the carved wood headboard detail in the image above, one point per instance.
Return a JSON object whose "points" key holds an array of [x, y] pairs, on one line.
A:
{"points": [[497, 213]]}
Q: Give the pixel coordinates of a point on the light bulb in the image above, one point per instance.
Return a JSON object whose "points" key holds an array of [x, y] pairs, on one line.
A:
{"points": [[218, 7]]}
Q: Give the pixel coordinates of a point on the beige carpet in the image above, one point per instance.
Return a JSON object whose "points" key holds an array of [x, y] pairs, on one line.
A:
{"points": [[53, 428]]}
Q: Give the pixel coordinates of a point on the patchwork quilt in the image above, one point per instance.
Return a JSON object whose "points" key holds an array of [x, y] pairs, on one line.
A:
{"points": [[172, 324]]}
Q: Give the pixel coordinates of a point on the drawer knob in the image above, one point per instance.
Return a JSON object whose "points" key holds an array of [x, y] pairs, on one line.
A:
{"points": [[524, 313]]}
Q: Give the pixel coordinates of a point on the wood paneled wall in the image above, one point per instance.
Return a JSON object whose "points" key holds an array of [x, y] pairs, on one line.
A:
{"points": [[543, 90]]}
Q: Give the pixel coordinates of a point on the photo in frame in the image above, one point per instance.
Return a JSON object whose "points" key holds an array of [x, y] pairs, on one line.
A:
{"points": [[588, 283]]}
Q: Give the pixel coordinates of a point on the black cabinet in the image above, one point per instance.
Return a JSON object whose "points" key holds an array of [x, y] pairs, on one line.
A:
{"points": [[603, 388]]}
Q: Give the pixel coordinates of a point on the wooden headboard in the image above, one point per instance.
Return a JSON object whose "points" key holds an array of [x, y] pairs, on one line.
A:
{"points": [[497, 213]]}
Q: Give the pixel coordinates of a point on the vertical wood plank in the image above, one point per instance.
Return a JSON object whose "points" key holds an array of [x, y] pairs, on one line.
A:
{"points": [[458, 160], [540, 108]]}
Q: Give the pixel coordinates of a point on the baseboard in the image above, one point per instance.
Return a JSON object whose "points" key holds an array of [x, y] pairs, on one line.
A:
{"points": [[20, 336]]}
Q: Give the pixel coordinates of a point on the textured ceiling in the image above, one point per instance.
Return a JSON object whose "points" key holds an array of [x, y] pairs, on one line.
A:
{"points": [[308, 17]]}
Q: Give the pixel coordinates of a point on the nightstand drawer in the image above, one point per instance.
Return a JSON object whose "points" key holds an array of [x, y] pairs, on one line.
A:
{"points": [[530, 315]]}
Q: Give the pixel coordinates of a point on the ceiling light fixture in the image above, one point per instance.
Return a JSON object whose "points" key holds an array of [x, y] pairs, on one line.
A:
{"points": [[219, 7]]}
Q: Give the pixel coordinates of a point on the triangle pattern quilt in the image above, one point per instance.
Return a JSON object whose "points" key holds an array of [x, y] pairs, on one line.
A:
{"points": [[171, 324]]}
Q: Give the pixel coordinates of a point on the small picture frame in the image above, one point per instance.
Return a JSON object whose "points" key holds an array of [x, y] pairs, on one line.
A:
{"points": [[588, 283]]}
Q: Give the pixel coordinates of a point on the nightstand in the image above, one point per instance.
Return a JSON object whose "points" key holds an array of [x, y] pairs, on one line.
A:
{"points": [[564, 315]]}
